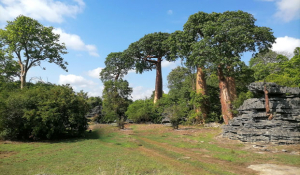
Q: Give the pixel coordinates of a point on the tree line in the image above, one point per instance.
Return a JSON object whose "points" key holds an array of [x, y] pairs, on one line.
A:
{"points": [[213, 80], [209, 86]]}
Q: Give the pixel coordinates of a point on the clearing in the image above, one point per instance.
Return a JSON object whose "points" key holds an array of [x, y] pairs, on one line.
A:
{"points": [[144, 149]]}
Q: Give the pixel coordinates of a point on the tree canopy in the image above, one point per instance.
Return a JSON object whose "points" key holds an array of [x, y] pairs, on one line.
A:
{"points": [[117, 64], [32, 43], [148, 53]]}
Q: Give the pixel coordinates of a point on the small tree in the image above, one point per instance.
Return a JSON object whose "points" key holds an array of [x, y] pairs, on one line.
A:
{"points": [[32, 43], [115, 99]]}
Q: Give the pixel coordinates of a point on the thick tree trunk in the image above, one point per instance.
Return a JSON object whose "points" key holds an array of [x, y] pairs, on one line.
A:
{"points": [[224, 97], [232, 88], [201, 89], [158, 81]]}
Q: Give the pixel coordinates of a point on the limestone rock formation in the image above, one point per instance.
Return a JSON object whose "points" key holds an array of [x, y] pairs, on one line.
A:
{"points": [[253, 125]]}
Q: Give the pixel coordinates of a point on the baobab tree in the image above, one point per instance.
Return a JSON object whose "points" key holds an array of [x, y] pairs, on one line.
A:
{"points": [[221, 39], [149, 53]]}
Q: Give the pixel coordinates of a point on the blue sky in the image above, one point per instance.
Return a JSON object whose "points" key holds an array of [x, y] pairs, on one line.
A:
{"points": [[91, 29]]}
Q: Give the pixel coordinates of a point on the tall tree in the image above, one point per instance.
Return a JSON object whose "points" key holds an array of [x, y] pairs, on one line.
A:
{"points": [[181, 45], [222, 39], [148, 53], [32, 43]]}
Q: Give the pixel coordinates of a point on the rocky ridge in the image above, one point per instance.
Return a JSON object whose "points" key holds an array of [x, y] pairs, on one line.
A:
{"points": [[253, 125]]}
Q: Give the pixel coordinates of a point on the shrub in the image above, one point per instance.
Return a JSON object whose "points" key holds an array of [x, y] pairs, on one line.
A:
{"points": [[43, 112]]}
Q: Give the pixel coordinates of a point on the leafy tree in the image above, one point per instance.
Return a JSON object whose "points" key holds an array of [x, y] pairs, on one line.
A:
{"points": [[32, 43], [148, 53], [289, 72], [221, 40], [115, 99], [181, 43], [180, 83], [264, 64], [117, 64]]}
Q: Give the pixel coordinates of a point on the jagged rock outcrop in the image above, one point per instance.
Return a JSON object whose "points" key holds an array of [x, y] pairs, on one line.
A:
{"points": [[96, 110], [253, 125]]}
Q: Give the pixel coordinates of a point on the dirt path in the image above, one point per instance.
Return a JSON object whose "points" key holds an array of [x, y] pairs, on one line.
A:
{"points": [[202, 158]]}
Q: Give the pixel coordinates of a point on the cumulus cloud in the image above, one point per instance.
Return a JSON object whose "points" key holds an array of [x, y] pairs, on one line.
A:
{"points": [[95, 72], [287, 10], [170, 12], [141, 92], [75, 81], [74, 42], [80, 83], [48, 10], [286, 45]]}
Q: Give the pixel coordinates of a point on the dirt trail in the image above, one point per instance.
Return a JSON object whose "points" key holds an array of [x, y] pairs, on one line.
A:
{"points": [[205, 159], [178, 165]]}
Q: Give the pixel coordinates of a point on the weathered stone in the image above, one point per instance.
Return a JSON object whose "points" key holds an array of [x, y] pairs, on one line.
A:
{"points": [[253, 125]]}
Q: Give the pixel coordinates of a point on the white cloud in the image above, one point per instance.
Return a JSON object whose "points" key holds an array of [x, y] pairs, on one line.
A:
{"points": [[48, 10], [75, 81], [170, 12], [170, 64], [141, 92], [74, 42], [288, 10], [95, 72], [95, 91], [80, 83], [286, 44]]}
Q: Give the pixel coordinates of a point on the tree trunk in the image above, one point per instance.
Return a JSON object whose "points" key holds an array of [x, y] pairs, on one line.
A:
{"points": [[267, 105], [23, 79], [224, 97], [201, 89], [158, 81], [232, 88]]}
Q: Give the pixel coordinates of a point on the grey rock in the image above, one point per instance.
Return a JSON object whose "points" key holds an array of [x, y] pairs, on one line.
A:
{"points": [[253, 125]]}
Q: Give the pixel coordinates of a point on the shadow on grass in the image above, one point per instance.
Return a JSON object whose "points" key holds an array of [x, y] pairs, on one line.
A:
{"points": [[88, 135]]}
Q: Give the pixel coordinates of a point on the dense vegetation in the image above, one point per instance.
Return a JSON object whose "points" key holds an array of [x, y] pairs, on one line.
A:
{"points": [[208, 87]]}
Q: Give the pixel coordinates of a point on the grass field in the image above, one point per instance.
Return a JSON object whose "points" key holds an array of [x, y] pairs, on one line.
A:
{"points": [[141, 149]]}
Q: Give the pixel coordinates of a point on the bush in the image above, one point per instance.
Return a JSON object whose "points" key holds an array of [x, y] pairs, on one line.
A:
{"points": [[142, 111], [43, 112]]}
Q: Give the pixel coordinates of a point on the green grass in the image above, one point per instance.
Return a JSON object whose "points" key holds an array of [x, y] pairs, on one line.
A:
{"points": [[108, 150]]}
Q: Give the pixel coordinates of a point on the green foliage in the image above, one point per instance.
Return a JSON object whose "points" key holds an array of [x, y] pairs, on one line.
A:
{"points": [[117, 64], [32, 43], [43, 111], [143, 111], [288, 74], [149, 47], [9, 68], [94, 101], [175, 113], [240, 100], [219, 39], [266, 63], [115, 99]]}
